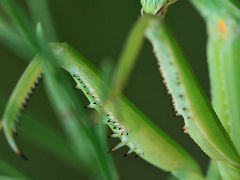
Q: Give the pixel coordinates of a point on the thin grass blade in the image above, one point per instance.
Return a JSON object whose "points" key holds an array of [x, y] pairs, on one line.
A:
{"points": [[21, 23], [40, 14], [10, 38]]}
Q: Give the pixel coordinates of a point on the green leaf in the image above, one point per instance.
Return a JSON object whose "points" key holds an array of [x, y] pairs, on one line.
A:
{"points": [[10, 38], [21, 23], [40, 13]]}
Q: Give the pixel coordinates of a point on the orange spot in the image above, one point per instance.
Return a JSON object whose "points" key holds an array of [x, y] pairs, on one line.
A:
{"points": [[222, 26]]}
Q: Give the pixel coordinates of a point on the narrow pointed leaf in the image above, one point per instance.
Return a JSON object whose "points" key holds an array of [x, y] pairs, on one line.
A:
{"points": [[40, 13]]}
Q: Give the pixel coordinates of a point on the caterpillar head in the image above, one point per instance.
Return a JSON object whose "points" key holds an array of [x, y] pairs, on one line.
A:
{"points": [[156, 7]]}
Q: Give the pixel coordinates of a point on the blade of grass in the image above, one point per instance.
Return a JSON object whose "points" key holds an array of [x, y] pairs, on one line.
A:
{"points": [[40, 13], [22, 24], [10, 38]]}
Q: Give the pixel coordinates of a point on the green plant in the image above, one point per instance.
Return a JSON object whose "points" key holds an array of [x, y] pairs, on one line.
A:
{"points": [[215, 129]]}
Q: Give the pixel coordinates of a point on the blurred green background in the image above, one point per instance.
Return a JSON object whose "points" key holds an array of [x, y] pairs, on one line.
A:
{"points": [[98, 30]]}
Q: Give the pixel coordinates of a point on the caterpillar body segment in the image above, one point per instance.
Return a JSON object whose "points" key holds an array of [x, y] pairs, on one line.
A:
{"points": [[18, 101], [189, 100]]}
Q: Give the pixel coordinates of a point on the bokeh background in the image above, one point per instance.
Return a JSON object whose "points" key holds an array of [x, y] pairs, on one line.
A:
{"points": [[98, 30]]}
